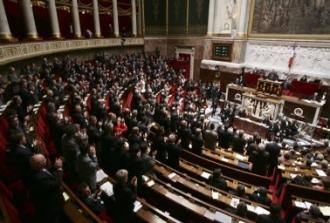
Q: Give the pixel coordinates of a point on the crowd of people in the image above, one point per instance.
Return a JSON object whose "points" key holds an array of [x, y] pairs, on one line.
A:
{"points": [[123, 113]]}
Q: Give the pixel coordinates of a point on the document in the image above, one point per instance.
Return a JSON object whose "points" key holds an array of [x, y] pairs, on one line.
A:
{"points": [[145, 178], [234, 202], [321, 173], [209, 215], [250, 208], [107, 188], [308, 204], [315, 181], [239, 156], [205, 175], [260, 210], [66, 196], [224, 159], [325, 210], [223, 218], [100, 175], [137, 206], [215, 195], [171, 175], [151, 183], [300, 204]]}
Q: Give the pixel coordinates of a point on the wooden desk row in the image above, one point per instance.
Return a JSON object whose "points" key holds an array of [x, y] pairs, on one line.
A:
{"points": [[183, 206], [203, 174], [238, 174], [212, 195], [227, 158]]}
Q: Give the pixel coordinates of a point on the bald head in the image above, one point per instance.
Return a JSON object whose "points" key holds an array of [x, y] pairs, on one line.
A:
{"points": [[38, 162]]}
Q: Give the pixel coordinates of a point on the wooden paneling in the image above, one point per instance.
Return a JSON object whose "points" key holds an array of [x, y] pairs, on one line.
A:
{"points": [[225, 78]]}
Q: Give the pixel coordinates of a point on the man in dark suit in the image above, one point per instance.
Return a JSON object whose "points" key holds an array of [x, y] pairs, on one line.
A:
{"points": [[174, 152], [90, 199], [184, 134], [238, 142], [259, 159], [274, 149], [20, 154], [197, 141], [210, 137], [71, 150], [260, 196], [224, 137], [217, 180], [92, 131], [124, 195], [78, 117], [46, 190], [273, 217]]}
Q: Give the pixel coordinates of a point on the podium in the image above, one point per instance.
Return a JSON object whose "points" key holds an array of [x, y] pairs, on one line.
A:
{"points": [[261, 105]]}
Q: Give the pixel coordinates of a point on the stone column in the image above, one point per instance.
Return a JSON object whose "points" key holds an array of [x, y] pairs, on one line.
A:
{"points": [[5, 33], [115, 18], [97, 29], [54, 19], [139, 18], [75, 19], [30, 25], [134, 32], [217, 16], [243, 19], [211, 17]]}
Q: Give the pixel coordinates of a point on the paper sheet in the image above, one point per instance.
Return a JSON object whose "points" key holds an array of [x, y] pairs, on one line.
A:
{"points": [[171, 175], [325, 210], [234, 202], [137, 206], [107, 188], [315, 181], [260, 210], [223, 218], [300, 204], [209, 215], [66, 196], [321, 173], [151, 183], [224, 159], [215, 195], [205, 175], [100, 175], [239, 156]]}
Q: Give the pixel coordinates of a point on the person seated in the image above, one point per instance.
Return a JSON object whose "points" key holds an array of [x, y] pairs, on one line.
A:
{"points": [[217, 180], [124, 195], [261, 196], [241, 210], [273, 217], [313, 214], [92, 200]]}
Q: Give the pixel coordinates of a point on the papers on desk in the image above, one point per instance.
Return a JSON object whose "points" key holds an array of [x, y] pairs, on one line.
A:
{"points": [[223, 218], [234, 202], [239, 156], [66, 196], [314, 164], [308, 204], [250, 208], [325, 210], [137, 206], [292, 175], [281, 167], [321, 173], [209, 215], [100, 175], [315, 181], [107, 188], [300, 204], [171, 175], [145, 178], [260, 210], [215, 195], [205, 175], [151, 183], [224, 159]]}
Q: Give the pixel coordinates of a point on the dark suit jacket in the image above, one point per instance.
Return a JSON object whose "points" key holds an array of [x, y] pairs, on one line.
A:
{"points": [[197, 144], [20, 155], [87, 167], [124, 203], [274, 151], [238, 144], [47, 194], [210, 139], [174, 152], [224, 139], [218, 182]]}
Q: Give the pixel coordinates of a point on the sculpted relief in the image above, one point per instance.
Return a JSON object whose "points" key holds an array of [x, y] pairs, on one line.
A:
{"points": [[291, 17]]}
